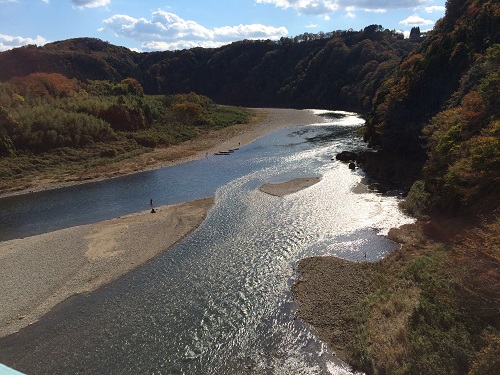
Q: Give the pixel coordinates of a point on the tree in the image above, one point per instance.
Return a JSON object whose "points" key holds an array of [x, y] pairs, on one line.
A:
{"points": [[415, 33], [7, 124]]}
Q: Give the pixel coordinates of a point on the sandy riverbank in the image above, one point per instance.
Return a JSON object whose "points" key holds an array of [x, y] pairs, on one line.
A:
{"points": [[36, 273], [266, 121]]}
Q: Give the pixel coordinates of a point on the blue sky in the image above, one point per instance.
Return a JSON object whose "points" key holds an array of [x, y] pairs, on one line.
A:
{"points": [[152, 25]]}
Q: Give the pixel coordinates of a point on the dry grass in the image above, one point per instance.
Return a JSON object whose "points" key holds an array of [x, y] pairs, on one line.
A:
{"points": [[387, 326], [433, 309]]}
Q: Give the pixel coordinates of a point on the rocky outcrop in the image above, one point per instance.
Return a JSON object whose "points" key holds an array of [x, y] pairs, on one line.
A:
{"points": [[347, 156]]}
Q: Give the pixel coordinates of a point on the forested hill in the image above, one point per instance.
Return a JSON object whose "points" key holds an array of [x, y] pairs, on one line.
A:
{"points": [[440, 111], [340, 69]]}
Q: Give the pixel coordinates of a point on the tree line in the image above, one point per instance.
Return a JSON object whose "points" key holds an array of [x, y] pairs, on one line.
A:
{"points": [[46, 111], [246, 73]]}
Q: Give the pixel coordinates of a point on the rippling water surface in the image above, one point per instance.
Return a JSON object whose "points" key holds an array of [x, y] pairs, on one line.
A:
{"points": [[220, 301]]}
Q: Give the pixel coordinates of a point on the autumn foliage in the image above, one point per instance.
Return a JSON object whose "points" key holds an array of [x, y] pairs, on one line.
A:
{"points": [[439, 112], [44, 85], [44, 112]]}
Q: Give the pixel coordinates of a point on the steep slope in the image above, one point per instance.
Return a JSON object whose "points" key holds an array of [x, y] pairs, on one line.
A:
{"points": [[451, 63]]}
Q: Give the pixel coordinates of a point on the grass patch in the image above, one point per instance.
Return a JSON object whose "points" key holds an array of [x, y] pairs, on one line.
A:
{"points": [[381, 343], [24, 170], [441, 338], [223, 116]]}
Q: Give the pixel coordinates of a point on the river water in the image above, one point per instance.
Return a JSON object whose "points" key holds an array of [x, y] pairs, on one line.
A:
{"points": [[219, 302]]}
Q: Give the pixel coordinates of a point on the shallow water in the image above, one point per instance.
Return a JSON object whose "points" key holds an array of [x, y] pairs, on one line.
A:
{"points": [[219, 302]]}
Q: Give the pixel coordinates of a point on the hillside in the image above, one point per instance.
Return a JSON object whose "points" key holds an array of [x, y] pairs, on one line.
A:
{"points": [[453, 72], [53, 128], [432, 306], [341, 69], [83, 58]]}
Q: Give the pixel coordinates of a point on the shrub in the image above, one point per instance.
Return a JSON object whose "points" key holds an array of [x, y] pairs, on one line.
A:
{"points": [[43, 128], [417, 201]]}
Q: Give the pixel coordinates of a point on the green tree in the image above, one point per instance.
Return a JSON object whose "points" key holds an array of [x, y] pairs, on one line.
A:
{"points": [[7, 127]]}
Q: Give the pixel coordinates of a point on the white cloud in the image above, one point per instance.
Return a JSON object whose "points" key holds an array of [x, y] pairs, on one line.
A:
{"points": [[305, 6], [8, 42], [161, 46], [90, 3], [329, 6], [168, 31], [416, 21], [255, 31], [435, 8], [378, 10]]}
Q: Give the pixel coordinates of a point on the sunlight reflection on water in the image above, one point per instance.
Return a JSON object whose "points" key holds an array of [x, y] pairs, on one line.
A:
{"points": [[219, 302]]}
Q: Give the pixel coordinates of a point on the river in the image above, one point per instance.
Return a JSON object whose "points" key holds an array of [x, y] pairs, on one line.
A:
{"points": [[219, 302]]}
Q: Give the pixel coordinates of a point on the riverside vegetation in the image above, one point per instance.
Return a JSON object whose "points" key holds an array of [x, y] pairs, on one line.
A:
{"points": [[432, 109], [53, 126], [434, 304]]}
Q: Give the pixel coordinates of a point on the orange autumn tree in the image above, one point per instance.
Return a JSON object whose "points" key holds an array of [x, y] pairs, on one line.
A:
{"points": [[44, 85]]}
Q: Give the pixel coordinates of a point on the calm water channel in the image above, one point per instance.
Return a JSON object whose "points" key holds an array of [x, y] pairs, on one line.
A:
{"points": [[219, 302]]}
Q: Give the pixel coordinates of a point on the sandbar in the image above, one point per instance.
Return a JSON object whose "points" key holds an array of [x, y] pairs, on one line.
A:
{"points": [[37, 273], [289, 187]]}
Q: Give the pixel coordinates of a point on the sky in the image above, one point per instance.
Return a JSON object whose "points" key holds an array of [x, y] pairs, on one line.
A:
{"points": [[158, 25]]}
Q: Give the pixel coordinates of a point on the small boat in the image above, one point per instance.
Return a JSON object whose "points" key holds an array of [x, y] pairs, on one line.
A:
{"points": [[230, 151]]}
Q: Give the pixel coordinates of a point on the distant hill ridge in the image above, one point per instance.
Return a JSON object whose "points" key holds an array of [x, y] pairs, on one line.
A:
{"points": [[342, 69]]}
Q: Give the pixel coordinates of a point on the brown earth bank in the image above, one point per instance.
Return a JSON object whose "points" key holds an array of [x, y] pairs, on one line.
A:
{"points": [[430, 307], [264, 121]]}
